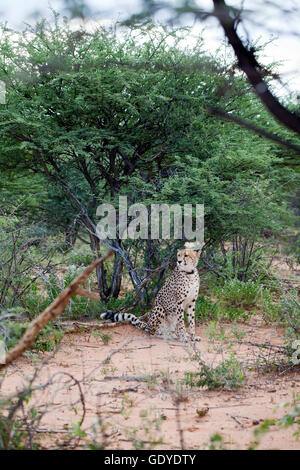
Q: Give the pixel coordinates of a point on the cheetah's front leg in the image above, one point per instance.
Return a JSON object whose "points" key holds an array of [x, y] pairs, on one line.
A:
{"points": [[191, 321], [180, 326]]}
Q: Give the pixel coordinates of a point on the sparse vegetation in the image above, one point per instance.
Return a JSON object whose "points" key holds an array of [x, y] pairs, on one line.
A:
{"points": [[236, 293], [228, 374], [89, 117]]}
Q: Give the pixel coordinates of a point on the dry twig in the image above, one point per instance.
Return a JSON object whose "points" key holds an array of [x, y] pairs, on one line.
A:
{"points": [[51, 312]]}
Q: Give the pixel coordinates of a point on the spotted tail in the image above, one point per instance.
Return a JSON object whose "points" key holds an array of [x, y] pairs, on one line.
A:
{"points": [[119, 317]]}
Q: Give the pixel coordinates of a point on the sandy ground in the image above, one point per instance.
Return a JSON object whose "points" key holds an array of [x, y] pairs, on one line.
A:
{"points": [[135, 386]]}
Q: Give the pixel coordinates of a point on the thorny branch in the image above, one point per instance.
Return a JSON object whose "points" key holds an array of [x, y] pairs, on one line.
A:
{"points": [[249, 65], [51, 312]]}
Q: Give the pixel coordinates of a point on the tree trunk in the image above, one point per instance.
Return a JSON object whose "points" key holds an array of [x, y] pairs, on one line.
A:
{"points": [[116, 277]]}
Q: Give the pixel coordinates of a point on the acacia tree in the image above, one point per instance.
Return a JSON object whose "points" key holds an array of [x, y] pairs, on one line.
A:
{"points": [[230, 18], [83, 112], [97, 117]]}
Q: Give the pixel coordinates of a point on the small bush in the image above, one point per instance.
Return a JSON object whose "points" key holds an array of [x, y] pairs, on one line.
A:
{"points": [[47, 340], [290, 312], [235, 293], [11, 332], [271, 310], [206, 309], [290, 419], [81, 256], [228, 374]]}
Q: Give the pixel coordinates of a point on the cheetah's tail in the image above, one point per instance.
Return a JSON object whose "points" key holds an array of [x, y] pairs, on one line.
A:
{"points": [[121, 317]]}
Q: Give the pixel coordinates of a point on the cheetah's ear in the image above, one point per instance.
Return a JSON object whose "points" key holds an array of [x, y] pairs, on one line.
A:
{"points": [[198, 253]]}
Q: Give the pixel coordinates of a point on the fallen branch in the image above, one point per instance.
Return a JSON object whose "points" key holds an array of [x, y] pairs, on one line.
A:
{"points": [[131, 378], [73, 325], [51, 312], [282, 349], [237, 420], [48, 431]]}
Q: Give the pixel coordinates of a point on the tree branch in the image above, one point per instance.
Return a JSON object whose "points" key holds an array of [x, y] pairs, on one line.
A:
{"points": [[51, 312], [252, 127], [249, 65]]}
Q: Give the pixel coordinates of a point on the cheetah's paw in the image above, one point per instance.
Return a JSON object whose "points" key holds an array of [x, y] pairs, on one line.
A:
{"points": [[196, 338]]}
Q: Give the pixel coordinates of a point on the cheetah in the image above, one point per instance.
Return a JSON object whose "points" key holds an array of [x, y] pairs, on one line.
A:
{"points": [[178, 294]]}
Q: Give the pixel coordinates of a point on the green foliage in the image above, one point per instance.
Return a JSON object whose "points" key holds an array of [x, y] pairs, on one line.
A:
{"points": [[293, 417], [244, 258], [47, 339], [147, 434], [235, 293], [11, 332], [270, 306], [205, 309], [24, 253], [227, 374], [12, 436], [40, 297], [216, 332], [283, 307], [296, 251], [105, 337], [18, 421], [85, 76], [216, 442], [96, 116], [218, 310], [81, 256], [37, 298], [290, 419], [290, 312]]}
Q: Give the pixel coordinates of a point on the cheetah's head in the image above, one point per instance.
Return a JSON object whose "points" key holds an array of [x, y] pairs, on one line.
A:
{"points": [[187, 260]]}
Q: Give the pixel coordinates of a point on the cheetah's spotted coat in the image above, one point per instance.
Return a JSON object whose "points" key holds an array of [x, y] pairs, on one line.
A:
{"points": [[178, 294]]}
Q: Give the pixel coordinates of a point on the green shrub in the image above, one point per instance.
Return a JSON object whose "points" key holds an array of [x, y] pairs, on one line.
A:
{"points": [[290, 313], [249, 260], [206, 309], [12, 331], [290, 419], [47, 340], [26, 257], [234, 314], [235, 293], [271, 310], [14, 434], [40, 297], [228, 374], [81, 256]]}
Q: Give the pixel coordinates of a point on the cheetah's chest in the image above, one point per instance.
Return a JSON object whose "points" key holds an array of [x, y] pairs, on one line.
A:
{"points": [[180, 289], [191, 291], [186, 287]]}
